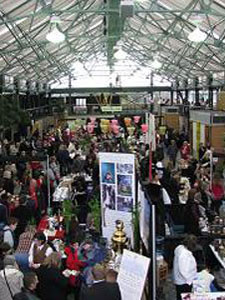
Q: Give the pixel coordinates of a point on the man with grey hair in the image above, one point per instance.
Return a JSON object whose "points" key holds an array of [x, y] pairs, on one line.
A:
{"points": [[11, 274], [101, 290], [4, 291]]}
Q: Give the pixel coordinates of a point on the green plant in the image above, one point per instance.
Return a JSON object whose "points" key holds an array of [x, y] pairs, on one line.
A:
{"points": [[85, 142], [136, 228], [32, 222], [69, 211], [95, 208]]}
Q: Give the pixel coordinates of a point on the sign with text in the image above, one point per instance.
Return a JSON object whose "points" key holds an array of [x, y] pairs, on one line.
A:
{"points": [[111, 108], [132, 275]]}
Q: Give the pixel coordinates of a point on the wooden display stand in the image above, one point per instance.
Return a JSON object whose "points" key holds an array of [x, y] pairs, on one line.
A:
{"points": [[162, 273], [172, 121], [171, 117], [221, 101], [207, 127]]}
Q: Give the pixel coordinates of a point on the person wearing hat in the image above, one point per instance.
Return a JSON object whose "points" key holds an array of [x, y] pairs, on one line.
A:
{"points": [[11, 274]]}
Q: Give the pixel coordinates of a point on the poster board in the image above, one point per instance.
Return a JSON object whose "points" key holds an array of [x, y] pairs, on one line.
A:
{"points": [[117, 185], [132, 275]]}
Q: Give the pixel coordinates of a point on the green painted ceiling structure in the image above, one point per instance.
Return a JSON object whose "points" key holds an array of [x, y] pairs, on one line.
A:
{"points": [[93, 27]]}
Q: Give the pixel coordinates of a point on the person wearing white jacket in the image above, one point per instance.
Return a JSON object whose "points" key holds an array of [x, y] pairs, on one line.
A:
{"points": [[184, 266]]}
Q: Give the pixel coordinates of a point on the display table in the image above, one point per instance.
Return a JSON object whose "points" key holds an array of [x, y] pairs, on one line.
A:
{"points": [[43, 227]]}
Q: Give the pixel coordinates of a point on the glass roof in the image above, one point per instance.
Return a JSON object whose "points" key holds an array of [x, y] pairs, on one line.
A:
{"points": [[95, 28]]}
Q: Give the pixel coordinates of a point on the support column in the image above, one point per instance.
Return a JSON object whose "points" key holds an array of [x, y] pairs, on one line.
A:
{"points": [[70, 96], [177, 90], [172, 94], [196, 82], [151, 83], [186, 91], [210, 91]]}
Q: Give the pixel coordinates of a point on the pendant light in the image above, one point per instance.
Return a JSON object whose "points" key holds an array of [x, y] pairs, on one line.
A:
{"points": [[55, 35], [120, 54], [156, 64], [197, 36]]}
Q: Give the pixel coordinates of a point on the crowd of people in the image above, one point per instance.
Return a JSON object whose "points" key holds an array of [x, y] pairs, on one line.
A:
{"points": [[31, 267]]}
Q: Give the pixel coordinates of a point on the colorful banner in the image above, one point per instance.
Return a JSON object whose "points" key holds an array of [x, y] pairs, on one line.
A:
{"points": [[198, 137], [117, 183]]}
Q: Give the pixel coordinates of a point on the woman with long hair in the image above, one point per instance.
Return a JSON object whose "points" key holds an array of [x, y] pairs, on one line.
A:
{"points": [[52, 283]]}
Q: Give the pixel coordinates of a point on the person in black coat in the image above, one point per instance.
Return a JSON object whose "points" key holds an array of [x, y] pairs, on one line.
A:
{"points": [[53, 284], [101, 290], [23, 214]]}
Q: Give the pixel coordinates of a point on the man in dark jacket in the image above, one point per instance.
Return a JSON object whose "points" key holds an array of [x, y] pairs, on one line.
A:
{"points": [[30, 283], [101, 290]]}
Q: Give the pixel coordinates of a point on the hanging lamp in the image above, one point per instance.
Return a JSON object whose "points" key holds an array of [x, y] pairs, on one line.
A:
{"points": [[197, 35], [55, 35]]}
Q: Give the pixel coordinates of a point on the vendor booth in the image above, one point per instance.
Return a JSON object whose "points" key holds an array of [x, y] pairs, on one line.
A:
{"points": [[207, 127]]}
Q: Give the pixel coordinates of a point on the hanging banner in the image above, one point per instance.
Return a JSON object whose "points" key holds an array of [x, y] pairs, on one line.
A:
{"points": [[151, 141], [194, 138], [202, 139], [117, 184], [198, 138], [152, 133], [132, 275]]}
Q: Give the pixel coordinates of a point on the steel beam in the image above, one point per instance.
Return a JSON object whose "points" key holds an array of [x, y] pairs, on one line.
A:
{"points": [[147, 89]]}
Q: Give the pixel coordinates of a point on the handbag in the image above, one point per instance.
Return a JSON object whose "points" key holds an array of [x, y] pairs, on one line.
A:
{"points": [[7, 283]]}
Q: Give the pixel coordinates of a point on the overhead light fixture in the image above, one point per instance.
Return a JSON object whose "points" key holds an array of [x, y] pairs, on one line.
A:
{"points": [[120, 54], [156, 64], [55, 35], [197, 36]]}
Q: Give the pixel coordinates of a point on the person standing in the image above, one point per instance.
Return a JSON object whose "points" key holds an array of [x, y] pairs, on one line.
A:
{"points": [[172, 152], [185, 266], [8, 232], [4, 291], [101, 289], [53, 284], [11, 274], [39, 250], [28, 292]]}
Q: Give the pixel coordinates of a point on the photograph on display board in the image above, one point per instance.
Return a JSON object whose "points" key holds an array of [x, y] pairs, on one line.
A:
{"points": [[124, 185], [108, 173], [125, 204], [125, 168], [108, 199]]}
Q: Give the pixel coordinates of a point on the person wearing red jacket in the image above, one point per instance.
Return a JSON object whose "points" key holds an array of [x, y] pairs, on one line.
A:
{"points": [[74, 263], [217, 192]]}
